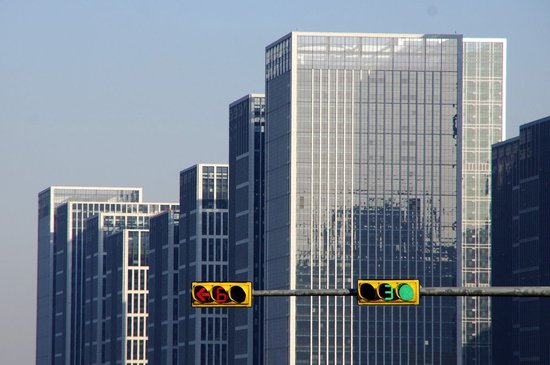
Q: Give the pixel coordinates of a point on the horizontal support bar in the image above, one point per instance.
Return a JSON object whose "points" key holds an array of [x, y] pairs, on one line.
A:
{"points": [[495, 291], [305, 293]]}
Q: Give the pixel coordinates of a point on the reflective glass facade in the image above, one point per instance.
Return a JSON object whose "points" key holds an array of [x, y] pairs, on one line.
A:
{"points": [[246, 223], [521, 249], [48, 201], [484, 101], [362, 138], [203, 253]]}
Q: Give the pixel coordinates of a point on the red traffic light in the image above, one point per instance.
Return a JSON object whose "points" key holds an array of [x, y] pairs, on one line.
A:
{"points": [[202, 294], [213, 294]]}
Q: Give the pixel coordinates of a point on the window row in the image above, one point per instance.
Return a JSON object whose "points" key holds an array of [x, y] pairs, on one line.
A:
{"points": [[137, 279], [136, 350], [214, 249], [214, 223], [136, 303], [135, 326]]}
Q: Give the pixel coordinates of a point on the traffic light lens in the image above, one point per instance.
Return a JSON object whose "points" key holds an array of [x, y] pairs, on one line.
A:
{"points": [[406, 292], [202, 294], [219, 294], [386, 291], [237, 294], [368, 292]]}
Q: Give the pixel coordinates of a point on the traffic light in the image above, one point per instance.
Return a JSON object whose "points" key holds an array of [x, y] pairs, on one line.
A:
{"points": [[388, 292], [221, 294]]}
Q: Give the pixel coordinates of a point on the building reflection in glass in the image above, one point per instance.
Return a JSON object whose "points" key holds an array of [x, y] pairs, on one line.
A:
{"points": [[361, 150]]}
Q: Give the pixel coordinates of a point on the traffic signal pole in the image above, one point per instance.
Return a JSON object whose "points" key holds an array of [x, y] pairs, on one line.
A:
{"points": [[368, 292], [305, 293], [494, 291], [490, 291]]}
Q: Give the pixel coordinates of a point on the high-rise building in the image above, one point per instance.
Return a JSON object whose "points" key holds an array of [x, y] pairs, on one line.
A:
{"points": [[162, 325], [125, 338], [203, 250], [246, 223], [483, 123], [362, 181], [521, 244], [98, 291], [505, 228], [48, 201], [79, 265]]}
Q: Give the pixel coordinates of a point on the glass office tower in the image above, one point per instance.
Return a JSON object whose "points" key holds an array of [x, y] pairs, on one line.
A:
{"points": [[505, 226], [162, 324], [48, 200], [521, 244], [97, 289], [125, 340], [202, 336], [74, 260], [246, 223], [484, 107], [362, 141]]}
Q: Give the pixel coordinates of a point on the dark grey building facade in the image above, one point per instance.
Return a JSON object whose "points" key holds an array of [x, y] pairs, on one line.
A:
{"points": [[162, 324], [101, 262], [362, 181], [521, 244], [126, 292], [79, 268], [49, 285], [246, 223], [69, 267], [203, 252]]}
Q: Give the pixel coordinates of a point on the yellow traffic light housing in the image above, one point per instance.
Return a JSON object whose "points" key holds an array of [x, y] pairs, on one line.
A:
{"points": [[221, 294], [388, 292]]}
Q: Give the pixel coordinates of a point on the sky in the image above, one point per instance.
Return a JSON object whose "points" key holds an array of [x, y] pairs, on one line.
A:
{"points": [[130, 92]]}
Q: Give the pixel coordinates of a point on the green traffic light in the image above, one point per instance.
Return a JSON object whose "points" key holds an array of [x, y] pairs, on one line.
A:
{"points": [[405, 292], [386, 292]]}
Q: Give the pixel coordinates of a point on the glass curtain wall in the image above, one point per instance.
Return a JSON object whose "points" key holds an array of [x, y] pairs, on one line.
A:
{"points": [[483, 125], [362, 141]]}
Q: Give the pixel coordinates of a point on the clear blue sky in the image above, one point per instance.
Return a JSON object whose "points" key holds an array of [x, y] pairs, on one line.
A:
{"points": [[130, 92]]}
